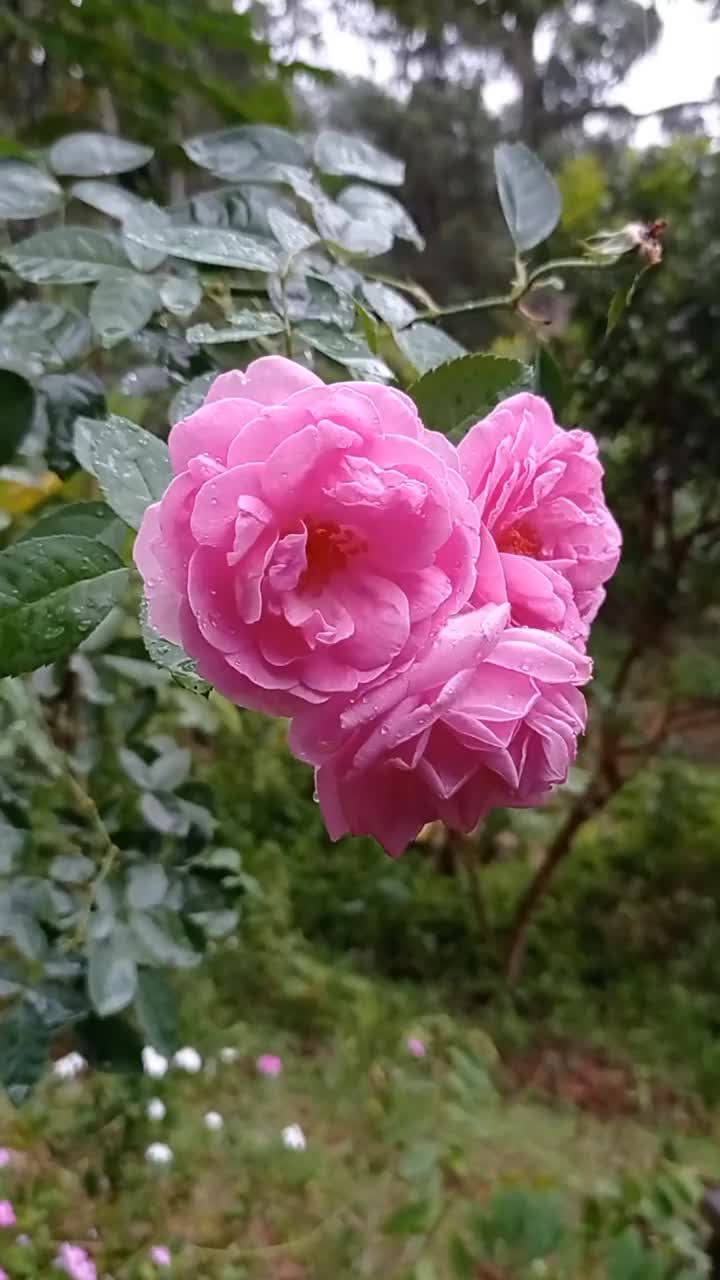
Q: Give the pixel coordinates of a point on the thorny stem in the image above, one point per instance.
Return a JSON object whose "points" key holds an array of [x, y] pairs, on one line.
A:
{"points": [[523, 283]]}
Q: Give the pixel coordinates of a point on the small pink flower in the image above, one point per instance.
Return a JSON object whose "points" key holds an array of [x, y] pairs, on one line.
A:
{"points": [[5, 1157], [268, 1064], [76, 1262], [538, 490], [3, 1274], [7, 1214], [488, 717], [416, 1047], [313, 536], [160, 1255]]}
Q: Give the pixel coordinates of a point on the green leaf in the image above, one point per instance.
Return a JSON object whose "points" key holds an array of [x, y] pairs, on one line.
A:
{"points": [[171, 657], [17, 406], [170, 770], [147, 885], [11, 844], [26, 192], [217, 246], [628, 1259], [621, 299], [245, 150], [361, 237], [53, 592], [65, 396], [242, 326], [146, 217], [167, 815], [24, 1050], [461, 1260], [389, 304], [550, 381], [291, 233], [71, 868], [370, 204], [409, 1220], [181, 295], [349, 349], [156, 1008], [131, 466], [190, 396], [453, 396], [82, 519], [111, 973], [346, 154], [425, 346], [160, 939], [97, 155], [529, 196], [110, 1044], [67, 255], [121, 305], [106, 197]]}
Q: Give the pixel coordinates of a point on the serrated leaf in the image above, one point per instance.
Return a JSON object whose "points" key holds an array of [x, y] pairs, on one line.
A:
{"points": [[26, 192], [97, 155], [156, 1008], [67, 255], [71, 868], [24, 1050], [54, 591], [17, 407], [111, 973], [131, 466], [453, 396], [371, 204], [425, 346], [147, 885], [349, 349], [243, 326], [82, 519], [529, 196], [346, 154], [215, 246], [121, 305]]}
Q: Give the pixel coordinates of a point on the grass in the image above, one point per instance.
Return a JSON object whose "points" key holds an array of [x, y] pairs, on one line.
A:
{"points": [[384, 1132]]}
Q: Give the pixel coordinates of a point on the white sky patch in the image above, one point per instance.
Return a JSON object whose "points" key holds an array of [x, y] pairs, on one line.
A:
{"points": [[682, 67]]}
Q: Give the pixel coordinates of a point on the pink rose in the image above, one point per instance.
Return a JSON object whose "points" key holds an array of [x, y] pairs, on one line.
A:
{"points": [[313, 537], [488, 716], [538, 488]]}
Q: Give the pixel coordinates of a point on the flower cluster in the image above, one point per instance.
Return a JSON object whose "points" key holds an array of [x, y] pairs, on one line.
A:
{"points": [[419, 611]]}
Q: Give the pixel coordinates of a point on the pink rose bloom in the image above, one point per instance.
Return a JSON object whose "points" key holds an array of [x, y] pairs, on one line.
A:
{"points": [[7, 1214], [489, 716], [160, 1255], [268, 1064], [313, 536], [538, 489], [415, 1047]]}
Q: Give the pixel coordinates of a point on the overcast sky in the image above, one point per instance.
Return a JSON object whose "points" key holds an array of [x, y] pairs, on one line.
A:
{"points": [[683, 67]]}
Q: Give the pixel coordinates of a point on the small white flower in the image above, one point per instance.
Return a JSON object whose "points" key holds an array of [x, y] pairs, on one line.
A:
{"points": [[214, 1121], [294, 1138], [72, 1065], [189, 1060], [159, 1153], [153, 1063], [156, 1109], [229, 1055]]}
